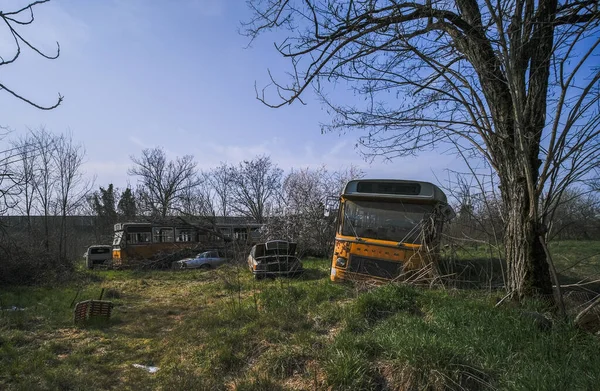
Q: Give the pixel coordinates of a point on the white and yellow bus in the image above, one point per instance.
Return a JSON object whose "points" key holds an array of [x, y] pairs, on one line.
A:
{"points": [[387, 229], [146, 241]]}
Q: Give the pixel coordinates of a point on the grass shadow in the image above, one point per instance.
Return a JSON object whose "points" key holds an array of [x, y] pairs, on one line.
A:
{"points": [[476, 273], [311, 274]]}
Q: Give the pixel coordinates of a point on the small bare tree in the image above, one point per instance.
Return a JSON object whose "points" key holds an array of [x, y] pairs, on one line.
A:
{"points": [[14, 21], [196, 201], [72, 188], [44, 177], [577, 216], [24, 171], [10, 181], [305, 193], [163, 183], [220, 180], [255, 186]]}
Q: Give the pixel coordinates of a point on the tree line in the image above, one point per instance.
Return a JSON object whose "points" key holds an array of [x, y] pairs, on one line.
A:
{"points": [[43, 182], [480, 215], [256, 189]]}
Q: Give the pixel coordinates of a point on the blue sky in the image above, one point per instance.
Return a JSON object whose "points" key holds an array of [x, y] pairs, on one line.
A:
{"points": [[175, 74]]}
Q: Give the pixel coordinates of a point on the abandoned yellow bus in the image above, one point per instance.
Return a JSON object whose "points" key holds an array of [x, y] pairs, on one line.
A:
{"points": [[166, 241], [144, 241], [387, 229]]}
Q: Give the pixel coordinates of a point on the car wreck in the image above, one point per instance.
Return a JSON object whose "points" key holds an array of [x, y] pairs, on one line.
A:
{"points": [[206, 260], [274, 258], [98, 254]]}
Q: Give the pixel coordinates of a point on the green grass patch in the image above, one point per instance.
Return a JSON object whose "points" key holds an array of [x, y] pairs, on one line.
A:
{"points": [[577, 260], [459, 340], [480, 266], [222, 330]]}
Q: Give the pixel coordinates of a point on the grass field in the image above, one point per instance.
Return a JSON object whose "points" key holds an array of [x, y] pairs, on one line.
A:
{"points": [[221, 330], [576, 262]]}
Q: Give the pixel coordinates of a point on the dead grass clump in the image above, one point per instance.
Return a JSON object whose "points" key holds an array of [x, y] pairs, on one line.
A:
{"points": [[401, 376]]}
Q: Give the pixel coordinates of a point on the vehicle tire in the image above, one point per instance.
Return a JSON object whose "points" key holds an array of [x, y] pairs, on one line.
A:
{"points": [[89, 264]]}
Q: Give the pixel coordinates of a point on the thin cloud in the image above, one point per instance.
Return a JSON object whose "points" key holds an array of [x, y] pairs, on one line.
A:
{"points": [[136, 141], [286, 156]]}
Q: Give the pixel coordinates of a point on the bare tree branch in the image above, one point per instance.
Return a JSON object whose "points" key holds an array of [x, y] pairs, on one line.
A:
{"points": [[12, 22]]}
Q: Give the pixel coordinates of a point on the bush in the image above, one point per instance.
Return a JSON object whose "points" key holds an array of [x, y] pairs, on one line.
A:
{"points": [[23, 266]]}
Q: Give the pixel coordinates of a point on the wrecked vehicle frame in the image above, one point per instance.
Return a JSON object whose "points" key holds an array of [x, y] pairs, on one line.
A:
{"points": [[274, 258]]}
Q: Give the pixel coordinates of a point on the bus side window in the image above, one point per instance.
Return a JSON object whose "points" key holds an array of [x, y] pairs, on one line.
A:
{"points": [[138, 237], [163, 234], [183, 235]]}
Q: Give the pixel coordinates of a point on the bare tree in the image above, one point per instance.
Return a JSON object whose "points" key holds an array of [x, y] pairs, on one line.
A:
{"points": [[14, 21], [71, 186], [512, 82], [163, 183], [196, 201], [48, 184], [220, 180], [23, 170], [255, 185], [305, 193], [340, 178], [44, 177], [478, 206], [577, 216], [10, 188]]}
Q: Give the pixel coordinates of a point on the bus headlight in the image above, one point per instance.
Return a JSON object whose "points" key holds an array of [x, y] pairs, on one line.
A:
{"points": [[341, 262]]}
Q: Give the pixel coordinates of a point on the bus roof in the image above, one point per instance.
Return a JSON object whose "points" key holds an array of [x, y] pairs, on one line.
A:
{"points": [[177, 223], [394, 188], [122, 226]]}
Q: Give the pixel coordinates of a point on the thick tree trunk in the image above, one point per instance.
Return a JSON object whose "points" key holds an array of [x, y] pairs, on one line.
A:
{"points": [[528, 272]]}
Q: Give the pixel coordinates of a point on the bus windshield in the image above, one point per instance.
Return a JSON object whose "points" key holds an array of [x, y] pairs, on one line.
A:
{"points": [[385, 220]]}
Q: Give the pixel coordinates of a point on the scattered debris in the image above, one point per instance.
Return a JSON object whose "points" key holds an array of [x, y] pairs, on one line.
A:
{"points": [[148, 368], [589, 318], [589, 322], [541, 321], [92, 311], [13, 308]]}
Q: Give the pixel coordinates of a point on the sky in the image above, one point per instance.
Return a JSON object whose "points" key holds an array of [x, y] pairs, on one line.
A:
{"points": [[140, 74]]}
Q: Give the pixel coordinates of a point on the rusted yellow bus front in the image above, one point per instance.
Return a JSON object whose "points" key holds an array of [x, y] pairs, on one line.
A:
{"points": [[388, 229]]}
